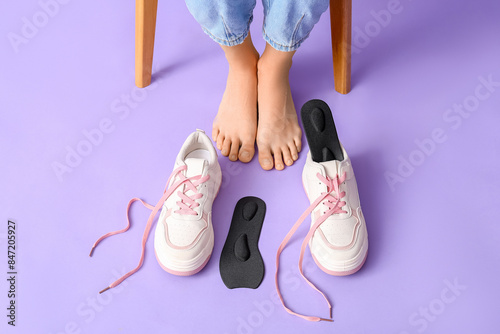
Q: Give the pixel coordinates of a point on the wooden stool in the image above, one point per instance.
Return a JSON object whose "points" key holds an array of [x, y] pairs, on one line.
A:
{"points": [[340, 21]]}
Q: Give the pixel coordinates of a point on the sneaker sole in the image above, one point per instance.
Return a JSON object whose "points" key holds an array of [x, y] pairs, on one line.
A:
{"points": [[347, 272], [196, 268]]}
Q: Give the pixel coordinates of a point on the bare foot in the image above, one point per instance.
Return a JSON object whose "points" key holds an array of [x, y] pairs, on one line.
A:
{"points": [[235, 126], [278, 133]]}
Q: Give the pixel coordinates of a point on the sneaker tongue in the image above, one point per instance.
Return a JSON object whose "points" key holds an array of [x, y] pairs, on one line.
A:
{"points": [[332, 167], [194, 166]]}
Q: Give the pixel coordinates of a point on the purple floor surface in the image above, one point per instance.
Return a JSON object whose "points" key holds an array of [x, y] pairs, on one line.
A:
{"points": [[420, 124]]}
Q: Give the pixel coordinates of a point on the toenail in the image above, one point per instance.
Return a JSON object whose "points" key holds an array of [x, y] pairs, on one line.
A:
{"points": [[289, 161], [245, 154], [233, 157], [266, 162]]}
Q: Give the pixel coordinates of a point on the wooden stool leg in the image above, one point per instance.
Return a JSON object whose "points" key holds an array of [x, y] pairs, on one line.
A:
{"points": [[340, 20], [145, 24]]}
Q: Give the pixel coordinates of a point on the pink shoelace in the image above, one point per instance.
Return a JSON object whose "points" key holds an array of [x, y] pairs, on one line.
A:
{"points": [[334, 205], [186, 206]]}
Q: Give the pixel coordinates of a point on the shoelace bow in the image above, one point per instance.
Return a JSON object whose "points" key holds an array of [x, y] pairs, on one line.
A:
{"points": [[334, 204], [186, 206]]}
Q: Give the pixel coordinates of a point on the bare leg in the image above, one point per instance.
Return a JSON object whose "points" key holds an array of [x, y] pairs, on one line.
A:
{"points": [[278, 133], [235, 126]]}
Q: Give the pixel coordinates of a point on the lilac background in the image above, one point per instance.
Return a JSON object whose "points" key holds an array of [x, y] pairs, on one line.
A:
{"points": [[440, 224]]}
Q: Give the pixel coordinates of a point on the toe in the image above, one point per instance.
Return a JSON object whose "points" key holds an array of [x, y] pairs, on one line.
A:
{"points": [[287, 156], [298, 143], [235, 147], [215, 133], [220, 141], [247, 151], [226, 146], [293, 151], [278, 160], [265, 159]]}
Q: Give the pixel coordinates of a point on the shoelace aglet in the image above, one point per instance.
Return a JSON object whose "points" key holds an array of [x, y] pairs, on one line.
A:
{"points": [[104, 290], [92, 251]]}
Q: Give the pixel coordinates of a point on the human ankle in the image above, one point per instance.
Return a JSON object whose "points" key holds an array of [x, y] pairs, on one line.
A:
{"points": [[276, 61], [242, 63]]}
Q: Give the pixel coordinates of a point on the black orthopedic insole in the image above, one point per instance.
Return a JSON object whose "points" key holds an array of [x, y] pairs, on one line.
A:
{"points": [[320, 131], [241, 265]]}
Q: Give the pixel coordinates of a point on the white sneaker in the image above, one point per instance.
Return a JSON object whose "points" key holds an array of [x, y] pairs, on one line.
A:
{"points": [[184, 236], [338, 239], [340, 243]]}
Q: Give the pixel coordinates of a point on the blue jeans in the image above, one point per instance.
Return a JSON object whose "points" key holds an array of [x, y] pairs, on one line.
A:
{"points": [[287, 23]]}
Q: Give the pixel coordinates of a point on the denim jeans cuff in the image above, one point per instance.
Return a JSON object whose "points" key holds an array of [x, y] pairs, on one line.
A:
{"points": [[281, 47], [230, 40]]}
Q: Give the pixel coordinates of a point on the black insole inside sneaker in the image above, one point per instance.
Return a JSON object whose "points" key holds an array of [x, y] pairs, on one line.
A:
{"points": [[241, 265], [320, 131]]}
